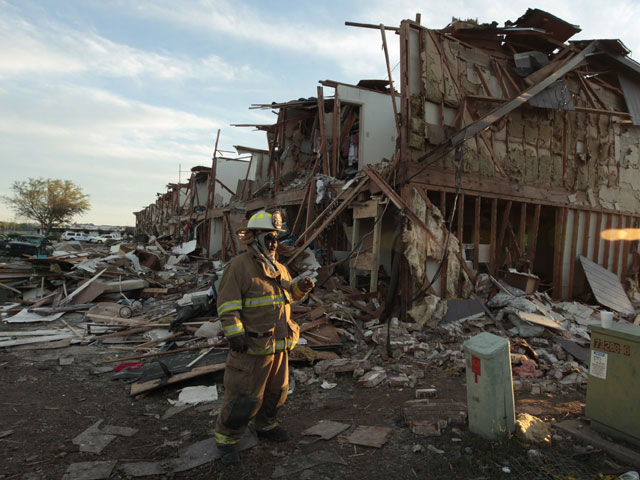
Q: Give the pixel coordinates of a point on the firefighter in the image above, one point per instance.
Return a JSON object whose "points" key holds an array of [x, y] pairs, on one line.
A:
{"points": [[254, 306]]}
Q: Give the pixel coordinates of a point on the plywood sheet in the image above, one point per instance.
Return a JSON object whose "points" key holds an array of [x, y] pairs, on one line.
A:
{"points": [[606, 287]]}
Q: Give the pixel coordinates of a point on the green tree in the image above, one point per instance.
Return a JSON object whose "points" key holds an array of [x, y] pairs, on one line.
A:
{"points": [[47, 201]]}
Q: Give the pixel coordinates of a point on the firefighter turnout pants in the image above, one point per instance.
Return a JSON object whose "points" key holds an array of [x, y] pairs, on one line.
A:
{"points": [[255, 387]]}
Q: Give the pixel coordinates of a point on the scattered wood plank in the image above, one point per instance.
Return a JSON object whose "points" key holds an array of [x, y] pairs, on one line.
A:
{"points": [[138, 388]]}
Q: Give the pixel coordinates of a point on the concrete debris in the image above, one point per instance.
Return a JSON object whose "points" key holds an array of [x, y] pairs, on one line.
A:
{"points": [[372, 378]]}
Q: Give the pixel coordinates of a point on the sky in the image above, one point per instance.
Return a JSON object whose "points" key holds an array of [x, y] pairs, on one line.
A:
{"points": [[123, 97]]}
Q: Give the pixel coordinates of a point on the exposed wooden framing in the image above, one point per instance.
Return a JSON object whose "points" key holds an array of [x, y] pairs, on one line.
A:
{"points": [[401, 205], [301, 207], [564, 147], [343, 194], [323, 134], [223, 251], [628, 223], [503, 228], [493, 234], [490, 118], [476, 233], [556, 64], [355, 234], [375, 248], [522, 230], [272, 147], [561, 215], [246, 177], [492, 154], [443, 272], [587, 92], [597, 111], [585, 247], [592, 92], [311, 207], [393, 95], [223, 186], [460, 229], [464, 107], [335, 140], [616, 247], [232, 242], [212, 177], [460, 234], [596, 238], [405, 280], [405, 107], [353, 193], [485, 85], [305, 199], [440, 179], [505, 74], [573, 255], [349, 120], [610, 113], [369, 25], [514, 240], [423, 193], [607, 243], [534, 234], [498, 73]]}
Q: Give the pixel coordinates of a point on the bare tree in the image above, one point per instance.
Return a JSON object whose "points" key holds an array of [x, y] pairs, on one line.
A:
{"points": [[47, 201]]}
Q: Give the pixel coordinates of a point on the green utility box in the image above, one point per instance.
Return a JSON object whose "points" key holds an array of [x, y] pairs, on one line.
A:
{"points": [[489, 386], [613, 389]]}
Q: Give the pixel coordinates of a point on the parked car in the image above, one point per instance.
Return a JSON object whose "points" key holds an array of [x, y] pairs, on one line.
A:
{"points": [[29, 245], [70, 235]]}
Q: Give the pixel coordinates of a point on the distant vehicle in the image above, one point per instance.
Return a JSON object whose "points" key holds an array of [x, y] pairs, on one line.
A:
{"points": [[104, 238], [29, 245], [69, 235]]}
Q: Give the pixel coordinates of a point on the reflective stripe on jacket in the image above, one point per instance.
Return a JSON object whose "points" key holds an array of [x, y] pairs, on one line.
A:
{"points": [[255, 301]]}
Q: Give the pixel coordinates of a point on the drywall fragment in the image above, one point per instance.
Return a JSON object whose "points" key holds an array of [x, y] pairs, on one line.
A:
{"points": [[195, 395]]}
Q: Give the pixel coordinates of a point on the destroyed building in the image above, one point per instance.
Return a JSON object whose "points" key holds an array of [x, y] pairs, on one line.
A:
{"points": [[514, 146], [455, 198]]}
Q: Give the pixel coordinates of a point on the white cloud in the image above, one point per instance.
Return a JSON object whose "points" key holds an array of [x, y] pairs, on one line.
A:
{"points": [[49, 47], [121, 151], [352, 49]]}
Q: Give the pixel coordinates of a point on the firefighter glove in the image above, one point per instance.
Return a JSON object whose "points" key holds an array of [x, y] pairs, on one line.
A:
{"points": [[237, 343]]}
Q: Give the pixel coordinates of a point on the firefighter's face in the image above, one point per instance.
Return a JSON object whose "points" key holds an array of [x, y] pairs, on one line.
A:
{"points": [[271, 241]]}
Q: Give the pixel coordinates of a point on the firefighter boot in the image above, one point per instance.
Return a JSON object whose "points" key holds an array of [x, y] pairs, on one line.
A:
{"points": [[276, 434], [230, 455]]}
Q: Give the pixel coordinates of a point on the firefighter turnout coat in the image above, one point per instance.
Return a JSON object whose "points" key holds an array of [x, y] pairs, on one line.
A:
{"points": [[255, 301]]}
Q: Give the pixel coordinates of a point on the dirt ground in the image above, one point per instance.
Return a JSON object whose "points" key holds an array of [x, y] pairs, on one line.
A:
{"points": [[45, 403]]}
